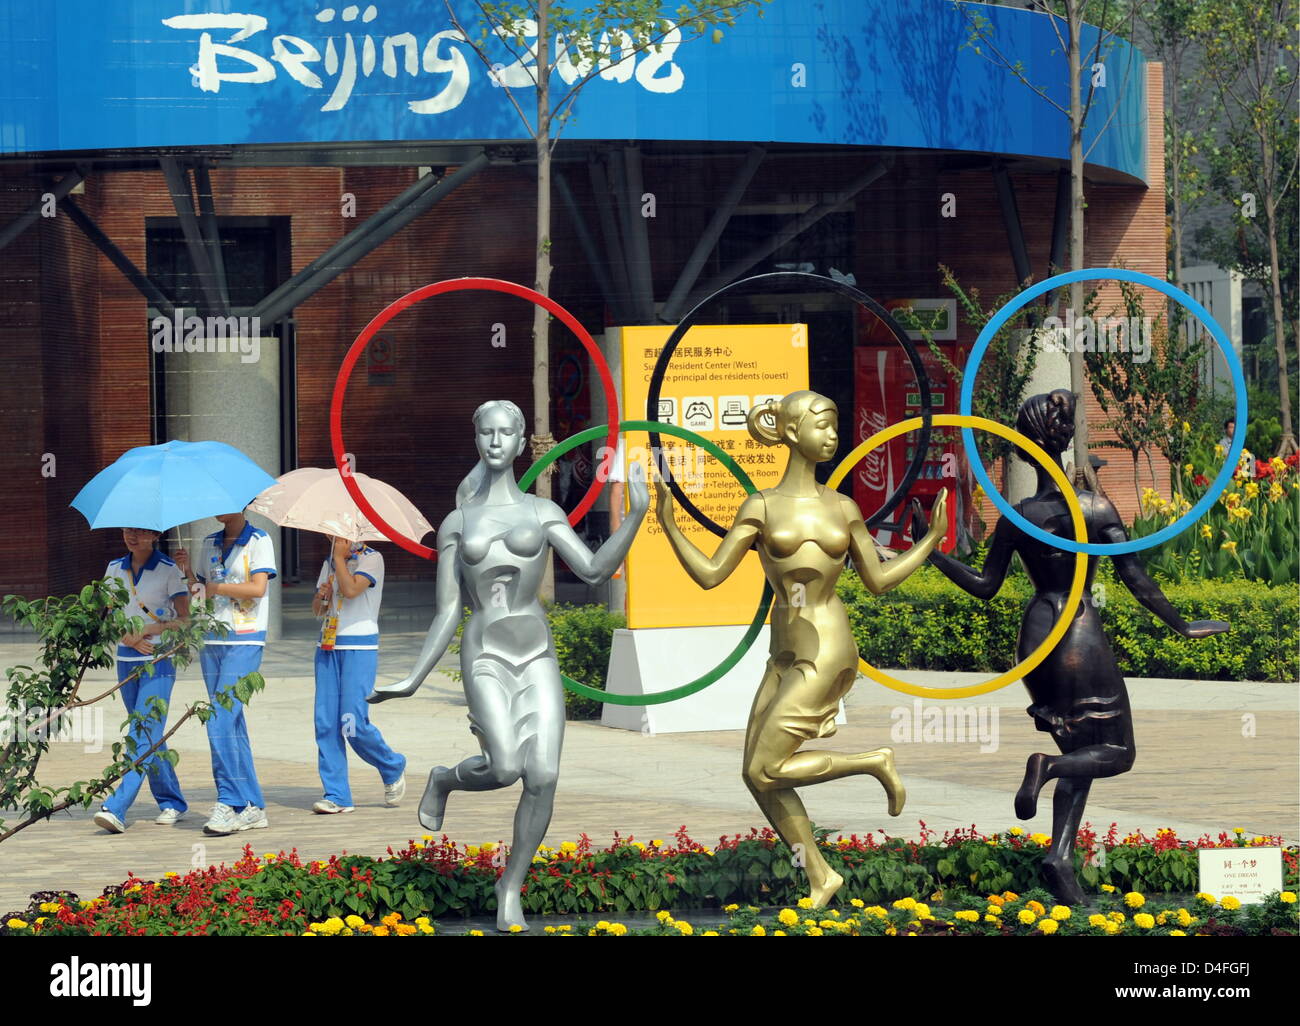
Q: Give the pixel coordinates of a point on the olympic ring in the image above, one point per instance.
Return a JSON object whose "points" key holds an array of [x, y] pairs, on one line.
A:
{"points": [[816, 283], [702, 682], [1063, 622], [1216, 488], [437, 289]]}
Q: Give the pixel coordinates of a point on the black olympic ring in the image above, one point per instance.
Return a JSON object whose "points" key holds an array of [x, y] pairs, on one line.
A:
{"points": [[815, 283]]}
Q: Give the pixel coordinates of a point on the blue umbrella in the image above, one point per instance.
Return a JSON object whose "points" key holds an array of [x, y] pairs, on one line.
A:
{"points": [[160, 486]]}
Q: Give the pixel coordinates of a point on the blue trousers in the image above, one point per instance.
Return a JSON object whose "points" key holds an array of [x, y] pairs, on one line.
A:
{"points": [[232, 755], [343, 679], [136, 695]]}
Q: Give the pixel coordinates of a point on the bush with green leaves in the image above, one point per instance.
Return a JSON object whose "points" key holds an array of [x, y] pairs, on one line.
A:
{"points": [[78, 633], [927, 623]]}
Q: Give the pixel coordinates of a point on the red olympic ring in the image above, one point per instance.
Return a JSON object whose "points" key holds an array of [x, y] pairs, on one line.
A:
{"points": [[437, 289]]}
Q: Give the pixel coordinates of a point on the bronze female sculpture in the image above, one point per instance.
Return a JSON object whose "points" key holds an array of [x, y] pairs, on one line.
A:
{"points": [[1078, 692], [803, 533], [492, 550]]}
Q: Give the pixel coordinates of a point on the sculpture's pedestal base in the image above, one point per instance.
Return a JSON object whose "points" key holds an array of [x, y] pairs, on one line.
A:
{"points": [[654, 659]]}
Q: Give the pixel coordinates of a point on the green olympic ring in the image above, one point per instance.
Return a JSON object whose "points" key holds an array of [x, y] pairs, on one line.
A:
{"points": [[765, 604]]}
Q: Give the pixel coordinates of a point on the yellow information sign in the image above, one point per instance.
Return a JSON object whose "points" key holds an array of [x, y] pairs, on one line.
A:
{"points": [[717, 374]]}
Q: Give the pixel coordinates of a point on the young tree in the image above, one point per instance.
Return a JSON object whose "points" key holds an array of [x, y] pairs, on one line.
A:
{"points": [[1250, 58], [1067, 19], [544, 37]]}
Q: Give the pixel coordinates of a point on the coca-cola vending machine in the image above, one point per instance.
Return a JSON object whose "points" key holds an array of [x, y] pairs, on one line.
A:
{"points": [[885, 392]]}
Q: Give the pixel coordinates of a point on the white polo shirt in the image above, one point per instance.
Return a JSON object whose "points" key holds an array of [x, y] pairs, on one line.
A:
{"points": [[152, 594], [359, 616], [252, 553]]}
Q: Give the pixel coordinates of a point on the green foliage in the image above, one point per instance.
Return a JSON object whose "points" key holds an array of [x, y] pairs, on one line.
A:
{"points": [[583, 637], [927, 623], [78, 633]]}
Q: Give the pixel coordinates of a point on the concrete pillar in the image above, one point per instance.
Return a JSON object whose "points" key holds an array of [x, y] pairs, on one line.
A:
{"points": [[1051, 370], [611, 344], [232, 397]]}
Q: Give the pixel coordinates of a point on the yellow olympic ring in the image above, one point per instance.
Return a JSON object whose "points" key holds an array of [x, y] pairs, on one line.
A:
{"points": [[1072, 600]]}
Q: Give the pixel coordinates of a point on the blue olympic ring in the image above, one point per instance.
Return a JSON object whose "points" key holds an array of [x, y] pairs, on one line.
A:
{"points": [[1219, 484]]}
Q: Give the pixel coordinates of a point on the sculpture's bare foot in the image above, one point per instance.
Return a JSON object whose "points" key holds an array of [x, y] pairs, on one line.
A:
{"points": [[1035, 778], [822, 893], [434, 802], [893, 783], [1059, 876], [510, 911]]}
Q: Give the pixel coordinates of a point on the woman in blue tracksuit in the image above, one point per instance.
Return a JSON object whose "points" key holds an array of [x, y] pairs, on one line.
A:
{"points": [[158, 596], [348, 593]]}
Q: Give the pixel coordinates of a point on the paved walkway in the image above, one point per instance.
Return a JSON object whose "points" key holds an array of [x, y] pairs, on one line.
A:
{"points": [[1200, 769]]}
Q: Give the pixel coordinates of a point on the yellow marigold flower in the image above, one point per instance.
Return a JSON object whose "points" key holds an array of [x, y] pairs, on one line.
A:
{"points": [[471, 850], [426, 929], [994, 910], [904, 903], [1177, 933], [805, 903], [420, 921], [306, 933], [788, 917], [714, 933], [1144, 920], [1018, 831], [1026, 917], [1108, 888], [487, 847], [475, 933], [856, 902], [1117, 917], [1048, 926], [1060, 913], [1206, 897], [1288, 897], [1039, 838], [663, 915], [758, 931], [730, 908], [810, 922], [1134, 900], [1184, 917], [877, 911], [684, 928], [968, 915], [15, 924], [548, 929], [1111, 928], [1096, 919], [51, 906], [568, 846], [1230, 903], [921, 911], [566, 928], [992, 919], [815, 931], [1162, 918]]}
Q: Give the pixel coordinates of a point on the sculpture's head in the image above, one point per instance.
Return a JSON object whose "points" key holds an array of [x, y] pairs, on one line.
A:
{"points": [[1047, 419], [499, 433], [805, 421]]}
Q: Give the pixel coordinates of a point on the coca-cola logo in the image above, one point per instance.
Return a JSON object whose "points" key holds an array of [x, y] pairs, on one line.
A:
{"points": [[872, 469]]}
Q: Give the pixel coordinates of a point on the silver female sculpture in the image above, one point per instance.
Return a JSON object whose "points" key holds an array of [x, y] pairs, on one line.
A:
{"points": [[492, 551]]}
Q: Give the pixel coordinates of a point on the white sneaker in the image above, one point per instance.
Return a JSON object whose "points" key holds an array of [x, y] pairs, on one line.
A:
{"points": [[105, 819], [169, 816], [394, 792], [222, 821], [252, 818], [328, 808]]}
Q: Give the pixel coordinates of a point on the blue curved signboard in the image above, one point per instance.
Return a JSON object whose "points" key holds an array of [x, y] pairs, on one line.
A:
{"points": [[106, 74]]}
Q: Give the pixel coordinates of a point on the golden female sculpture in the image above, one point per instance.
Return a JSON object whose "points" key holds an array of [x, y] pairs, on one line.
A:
{"points": [[803, 532]]}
